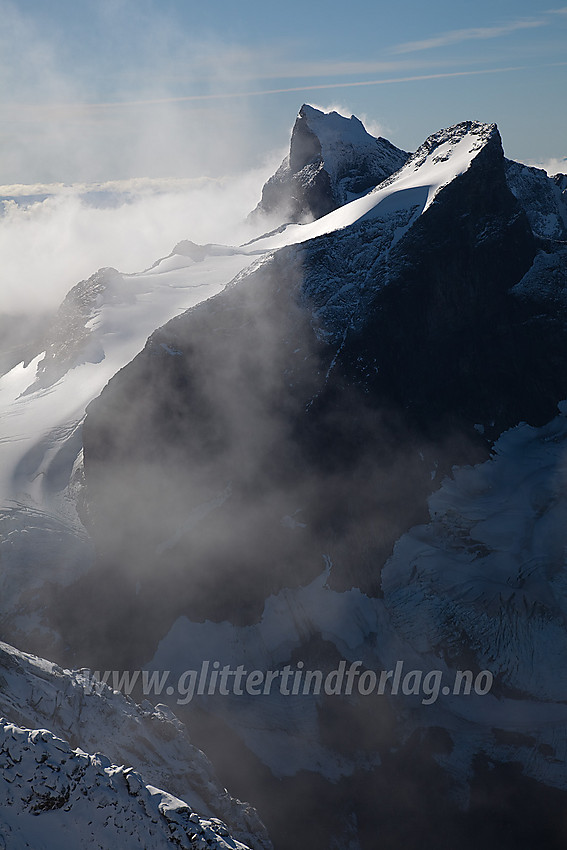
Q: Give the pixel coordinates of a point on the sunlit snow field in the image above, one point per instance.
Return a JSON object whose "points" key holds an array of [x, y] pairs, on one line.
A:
{"points": [[54, 235]]}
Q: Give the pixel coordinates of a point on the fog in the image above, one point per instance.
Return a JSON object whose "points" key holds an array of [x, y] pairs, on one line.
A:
{"points": [[103, 160], [49, 244], [251, 462], [120, 91], [238, 451], [122, 135]]}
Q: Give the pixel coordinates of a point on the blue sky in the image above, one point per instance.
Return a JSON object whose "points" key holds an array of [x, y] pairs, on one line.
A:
{"points": [[110, 89]]}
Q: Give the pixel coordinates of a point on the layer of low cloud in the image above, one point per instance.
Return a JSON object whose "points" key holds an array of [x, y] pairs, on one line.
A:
{"points": [[113, 110], [48, 244], [181, 106], [124, 141], [553, 165]]}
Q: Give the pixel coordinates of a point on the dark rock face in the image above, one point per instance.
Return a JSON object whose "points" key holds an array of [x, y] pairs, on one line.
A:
{"points": [[277, 404], [302, 412], [69, 340], [542, 197], [331, 160]]}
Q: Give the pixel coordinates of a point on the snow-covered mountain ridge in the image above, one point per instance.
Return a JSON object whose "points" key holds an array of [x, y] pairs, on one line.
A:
{"points": [[331, 160], [406, 193], [109, 317], [55, 797], [83, 713], [337, 382], [255, 479]]}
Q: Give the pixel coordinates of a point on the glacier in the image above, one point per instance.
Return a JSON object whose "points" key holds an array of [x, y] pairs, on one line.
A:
{"points": [[401, 331]]}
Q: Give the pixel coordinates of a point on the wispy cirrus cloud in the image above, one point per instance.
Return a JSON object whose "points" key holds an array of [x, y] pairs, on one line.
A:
{"points": [[472, 34], [289, 69], [42, 112], [164, 101]]}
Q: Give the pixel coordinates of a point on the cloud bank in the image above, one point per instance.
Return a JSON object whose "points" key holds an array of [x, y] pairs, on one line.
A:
{"points": [[48, 244]]}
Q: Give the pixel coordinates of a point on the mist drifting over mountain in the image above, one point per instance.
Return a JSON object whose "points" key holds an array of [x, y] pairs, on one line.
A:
{"points": [[285, 465]]}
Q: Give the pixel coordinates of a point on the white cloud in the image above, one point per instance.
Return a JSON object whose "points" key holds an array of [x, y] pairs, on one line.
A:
{"points": [[332, 68], [133, 185], [457, 36], [553, 165], [47, 246], [148, 101], [333, 106]]}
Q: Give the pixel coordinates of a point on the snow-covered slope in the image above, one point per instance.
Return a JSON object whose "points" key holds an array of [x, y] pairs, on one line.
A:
{"points": [[404, 195], [57, 798], [487, 572], [484, 584], [76, 707], [315, 401], [249, 468], [101, 326]]}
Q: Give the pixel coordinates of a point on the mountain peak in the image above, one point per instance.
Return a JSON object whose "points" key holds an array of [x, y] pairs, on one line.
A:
{"points": [[404, 195], [332, 160], [444, 142], [331, 130]]}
